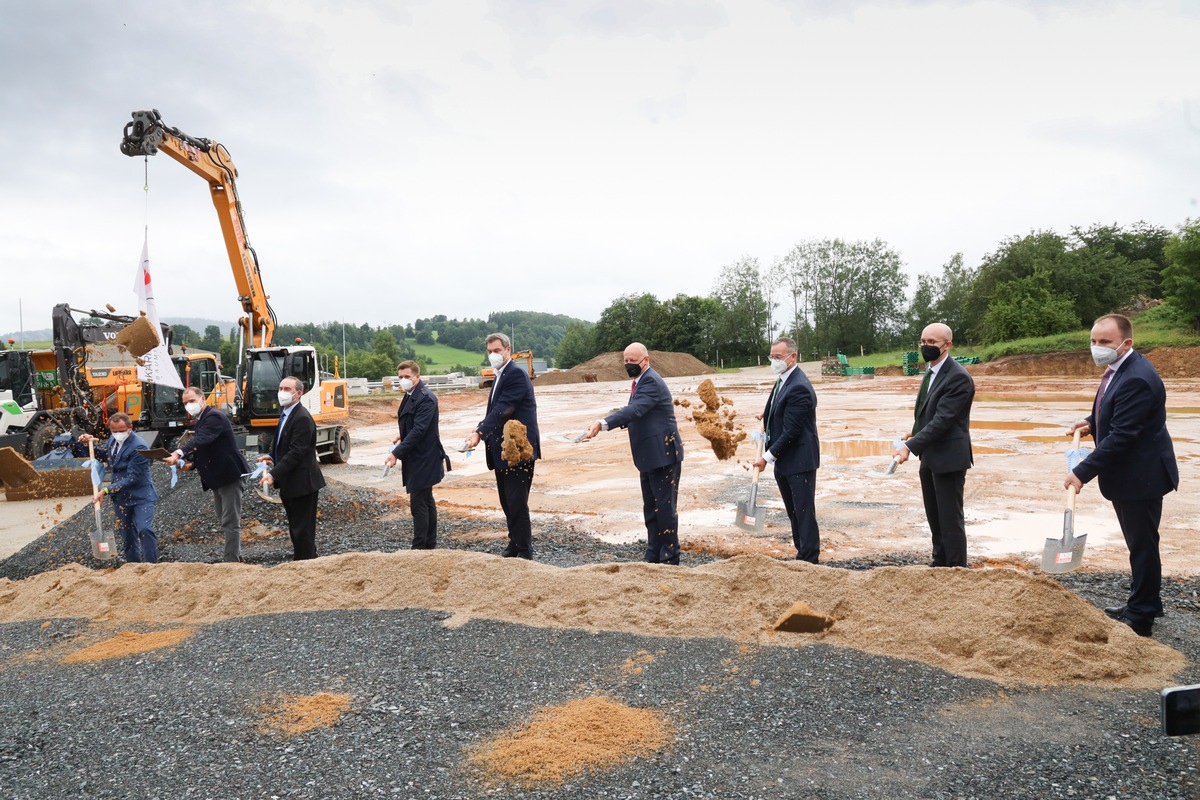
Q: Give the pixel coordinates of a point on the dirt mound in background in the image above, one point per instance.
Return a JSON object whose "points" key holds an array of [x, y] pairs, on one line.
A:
{"points": [[610, 367], [998, 625], [1171, 362]]}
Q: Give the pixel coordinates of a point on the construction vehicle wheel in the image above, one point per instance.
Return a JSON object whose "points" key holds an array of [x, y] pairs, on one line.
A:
{"points": [[41, 438], [485, 384], [341, 448]]}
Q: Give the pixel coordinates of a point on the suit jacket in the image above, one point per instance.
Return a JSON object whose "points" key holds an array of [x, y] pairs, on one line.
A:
{"points": [[129, 473], [422, 458], [650, 417], [943, 440], [511, 398], [792, 425], [295, 471], [213, 450], [1134, 457]]}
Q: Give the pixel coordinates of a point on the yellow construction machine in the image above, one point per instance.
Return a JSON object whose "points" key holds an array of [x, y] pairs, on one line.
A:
{"points": [[487, 376], [262, 364]]}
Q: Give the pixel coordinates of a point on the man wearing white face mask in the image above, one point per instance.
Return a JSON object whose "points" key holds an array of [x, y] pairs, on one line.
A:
{"points": [[130, 489], [214, 453], [793, 447], [1134, 460], [294, 468], [419, 451]]}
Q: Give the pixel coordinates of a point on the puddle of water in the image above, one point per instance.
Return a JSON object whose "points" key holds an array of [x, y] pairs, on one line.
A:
{"points": [[990, 451], [1034, 398], [1029, 532], [1064, 439], [1183, 409], [844, 449], [1007, 425]]}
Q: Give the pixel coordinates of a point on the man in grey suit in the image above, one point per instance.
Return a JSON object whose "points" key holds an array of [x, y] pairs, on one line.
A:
{"points": [[941, 438], [657, 452], [790, 424]]}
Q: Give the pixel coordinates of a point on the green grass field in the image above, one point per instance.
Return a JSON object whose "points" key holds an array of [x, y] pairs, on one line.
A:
{"points": [[442, 356], [29, 345]]}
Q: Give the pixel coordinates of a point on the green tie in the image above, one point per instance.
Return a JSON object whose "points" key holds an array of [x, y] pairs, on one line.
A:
{"points": [[771, 408], [921, 395]]}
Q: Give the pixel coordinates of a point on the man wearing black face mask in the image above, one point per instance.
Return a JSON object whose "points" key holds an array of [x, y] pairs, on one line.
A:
{"points": [[1134, 459], [941, 438], [657, 452]]}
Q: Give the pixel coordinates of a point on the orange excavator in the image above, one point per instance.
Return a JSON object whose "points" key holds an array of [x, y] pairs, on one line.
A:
{"points": [[487, 376], [262, 364]]}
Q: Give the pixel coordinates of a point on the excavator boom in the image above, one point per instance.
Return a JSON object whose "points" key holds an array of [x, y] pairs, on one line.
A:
{"points": [[146, 135]]}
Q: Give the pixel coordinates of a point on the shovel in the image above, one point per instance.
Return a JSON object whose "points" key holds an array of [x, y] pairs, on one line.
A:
{"points": [[1066, 554], [387, 470], [104, 546], [749, 516]]}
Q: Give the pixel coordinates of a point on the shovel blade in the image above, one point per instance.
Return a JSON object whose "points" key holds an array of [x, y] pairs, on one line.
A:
{"points": [[750, 518], [1060, 556], [270, 497]]}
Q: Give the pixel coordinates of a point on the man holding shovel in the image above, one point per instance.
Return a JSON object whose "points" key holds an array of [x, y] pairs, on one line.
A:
{"points": [[657, 452], [941, 438], [790, 424], [130, 489], [1134, 460]]}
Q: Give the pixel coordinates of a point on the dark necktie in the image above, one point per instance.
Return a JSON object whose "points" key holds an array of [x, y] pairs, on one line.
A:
{"points": [[921, 395], [771, 405], [1108, 373], [632, 388]]}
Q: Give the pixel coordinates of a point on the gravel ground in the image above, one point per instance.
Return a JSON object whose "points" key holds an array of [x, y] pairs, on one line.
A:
{"points": [[814, 722], [811, 722]]}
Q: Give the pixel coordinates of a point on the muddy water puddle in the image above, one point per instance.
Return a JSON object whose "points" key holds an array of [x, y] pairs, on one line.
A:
{"points": [[849, 449], [1034, 398], [1009, 425]]}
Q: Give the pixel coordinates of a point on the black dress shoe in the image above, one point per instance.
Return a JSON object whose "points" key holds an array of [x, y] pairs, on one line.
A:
{"points": [[509, 552], [525, 554], [1116, 611], [1140, 627]]}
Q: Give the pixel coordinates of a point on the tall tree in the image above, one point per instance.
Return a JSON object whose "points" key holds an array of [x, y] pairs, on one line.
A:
{"points": [[1181, 278], [745, 325]]}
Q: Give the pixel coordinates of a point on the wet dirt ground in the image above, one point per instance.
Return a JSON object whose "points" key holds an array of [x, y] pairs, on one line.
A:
{"points": [[1014, 495]]}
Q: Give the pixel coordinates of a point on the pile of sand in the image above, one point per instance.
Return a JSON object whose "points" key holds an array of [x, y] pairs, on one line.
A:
{"points": [[999, 625], [611, 367], [128, 643], [715, 421], [1171, 362], [297, 714], [138, 337], [566, 741]]}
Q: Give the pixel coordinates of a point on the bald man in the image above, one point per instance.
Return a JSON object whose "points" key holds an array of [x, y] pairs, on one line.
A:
{"points": [[657, 452], [941, 438]]}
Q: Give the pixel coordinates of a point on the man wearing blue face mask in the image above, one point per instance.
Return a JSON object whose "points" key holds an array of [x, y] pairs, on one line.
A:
{"points": [[1134, 460], [132, 494]]}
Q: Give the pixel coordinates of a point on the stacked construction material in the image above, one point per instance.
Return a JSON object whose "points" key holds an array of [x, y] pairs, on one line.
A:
{"points": [[912, 363]]}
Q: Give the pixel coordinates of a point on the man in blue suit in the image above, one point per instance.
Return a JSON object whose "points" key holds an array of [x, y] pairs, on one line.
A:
{"points": [[790, 421], [419, 451], [657, 452], [1134, 460], [214, 453], [130, 489], [511, 398]]}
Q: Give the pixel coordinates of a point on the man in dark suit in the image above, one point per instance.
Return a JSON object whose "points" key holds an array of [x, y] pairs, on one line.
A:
{"points": [[132, 493], [419, 451], [792, 446], [511, 398], [1134, 460], [941, 438], [657, 452], [294, 468], [213, 452]]}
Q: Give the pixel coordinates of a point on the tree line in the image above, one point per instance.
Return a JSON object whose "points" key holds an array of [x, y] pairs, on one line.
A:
{"points": [[831, 295]]}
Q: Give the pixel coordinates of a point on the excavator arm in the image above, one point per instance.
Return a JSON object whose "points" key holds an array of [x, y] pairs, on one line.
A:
{"points": [[146, 135]]}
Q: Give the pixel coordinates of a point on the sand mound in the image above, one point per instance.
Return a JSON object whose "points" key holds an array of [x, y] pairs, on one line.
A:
{"points": [[610, 367], [1171, 362], [128, 643], [999, 625], [565, 741], [297, 714], [138, 337]]}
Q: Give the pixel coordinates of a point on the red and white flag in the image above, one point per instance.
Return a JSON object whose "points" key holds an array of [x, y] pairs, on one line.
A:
{"points": [[157, 366]]}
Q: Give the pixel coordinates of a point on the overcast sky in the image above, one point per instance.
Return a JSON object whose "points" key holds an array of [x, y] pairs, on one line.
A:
{"points": [[404, 159]]}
